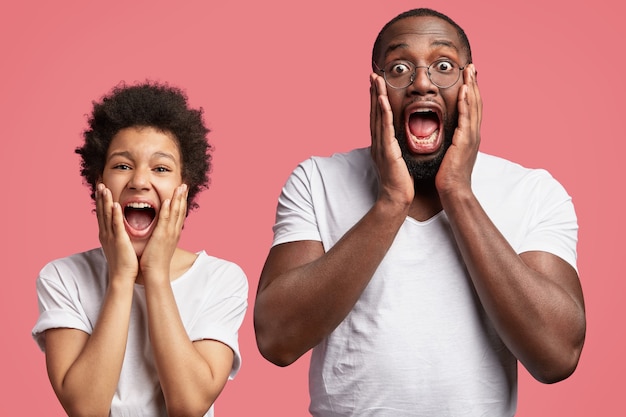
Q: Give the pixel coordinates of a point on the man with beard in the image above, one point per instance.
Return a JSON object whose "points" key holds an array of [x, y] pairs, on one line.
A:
{"points": [[420, 270]]}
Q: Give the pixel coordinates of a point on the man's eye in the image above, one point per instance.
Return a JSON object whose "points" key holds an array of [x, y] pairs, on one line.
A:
{"points": [[444, 66], [121, 166], [161, 169], [399, 68]]}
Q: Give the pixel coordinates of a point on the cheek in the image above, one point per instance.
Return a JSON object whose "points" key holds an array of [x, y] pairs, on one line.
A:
{"points": [[451, 105], [114, 185], [166, 191], [451, 98]]}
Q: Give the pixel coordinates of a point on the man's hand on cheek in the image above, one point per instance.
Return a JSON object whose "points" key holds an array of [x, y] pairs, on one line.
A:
{"points": [[456, 169], [396, 183]]}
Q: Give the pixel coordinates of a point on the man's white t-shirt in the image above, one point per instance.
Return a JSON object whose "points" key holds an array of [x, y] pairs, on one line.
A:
{"points": [[418, 342]]}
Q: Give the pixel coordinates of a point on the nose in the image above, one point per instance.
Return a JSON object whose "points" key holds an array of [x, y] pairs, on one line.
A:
{"points": [[139, 180], [421, 82]]}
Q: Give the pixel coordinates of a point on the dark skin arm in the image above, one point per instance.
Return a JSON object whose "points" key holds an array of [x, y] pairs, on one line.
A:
{"points": [[534, 299], [304, 293]]}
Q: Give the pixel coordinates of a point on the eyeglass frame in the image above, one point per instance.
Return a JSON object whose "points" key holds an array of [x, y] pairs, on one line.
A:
{"points": [[414, 73]]}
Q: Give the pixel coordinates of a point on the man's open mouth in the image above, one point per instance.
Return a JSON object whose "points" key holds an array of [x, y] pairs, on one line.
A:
{"points": [[423, 128]]}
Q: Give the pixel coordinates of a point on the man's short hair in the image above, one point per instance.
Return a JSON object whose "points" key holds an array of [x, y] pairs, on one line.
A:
{"points": [[422, 12]]}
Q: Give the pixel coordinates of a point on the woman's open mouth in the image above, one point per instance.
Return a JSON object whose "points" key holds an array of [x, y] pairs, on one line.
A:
{"points": [[138, 217]]}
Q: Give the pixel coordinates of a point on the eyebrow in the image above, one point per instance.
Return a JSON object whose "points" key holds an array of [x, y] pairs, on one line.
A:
{"points": [[128, 155], [392, 47], [445, 43], [164, 155], [434, 44]]}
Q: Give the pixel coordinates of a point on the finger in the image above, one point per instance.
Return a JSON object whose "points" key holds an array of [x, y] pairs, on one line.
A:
{"points": [[463, 105], [117, 221], [100, 205], [477, 97], [383, 117], [466, 96], [374, 113], [473, 84], [176, 207], [107, 211], [182, 207], [163, 224], [384, 109], [475, 105], [386, 115]]}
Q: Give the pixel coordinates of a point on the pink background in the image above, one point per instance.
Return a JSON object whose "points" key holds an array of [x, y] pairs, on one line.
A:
{"points": [[279, 81]]}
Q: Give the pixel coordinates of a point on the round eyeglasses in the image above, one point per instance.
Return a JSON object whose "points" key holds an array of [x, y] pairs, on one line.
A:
{"points": [[444, 73]]}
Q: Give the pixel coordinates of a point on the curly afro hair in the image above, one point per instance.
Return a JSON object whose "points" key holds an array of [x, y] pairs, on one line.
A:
{"points": [[154, 105]]}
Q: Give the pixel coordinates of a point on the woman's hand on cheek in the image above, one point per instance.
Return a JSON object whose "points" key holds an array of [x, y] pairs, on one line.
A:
{"points": [[116, 244], [157, 255]]}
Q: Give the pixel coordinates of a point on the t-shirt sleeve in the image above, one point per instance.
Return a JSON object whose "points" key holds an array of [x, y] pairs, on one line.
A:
{"points": [[554, 225], [223, 314], [58, 305], [295, 214]]}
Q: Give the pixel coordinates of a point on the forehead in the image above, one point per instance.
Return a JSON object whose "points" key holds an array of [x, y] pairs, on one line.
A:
{"points": [[144, 140], [420, 34]]}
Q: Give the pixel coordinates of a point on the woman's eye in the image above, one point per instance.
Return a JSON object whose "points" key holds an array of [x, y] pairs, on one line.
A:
{"points": [[121, 166], [161, 169]]}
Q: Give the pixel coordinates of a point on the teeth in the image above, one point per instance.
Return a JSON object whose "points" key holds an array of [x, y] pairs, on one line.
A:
{"points": [[139, 205], [426, 139]]}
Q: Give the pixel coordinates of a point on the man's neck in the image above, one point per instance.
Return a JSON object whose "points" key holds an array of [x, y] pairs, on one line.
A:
{"points": [[426, 202]]}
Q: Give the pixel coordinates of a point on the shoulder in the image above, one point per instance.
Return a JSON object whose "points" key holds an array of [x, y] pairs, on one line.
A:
{"points": [[516, 197], [496, 173], [336, 171], [488, 165], [213, 273], [83, 265], [336, 161], [218, 264], [75, 283], [508, 191], [343, 160]]}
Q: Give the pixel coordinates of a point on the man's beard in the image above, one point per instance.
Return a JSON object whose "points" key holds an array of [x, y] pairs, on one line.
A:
{"points": [[425, 171]]}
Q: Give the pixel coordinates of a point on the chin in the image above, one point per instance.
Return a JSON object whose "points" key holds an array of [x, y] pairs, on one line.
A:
{"points": [[423, 167]]}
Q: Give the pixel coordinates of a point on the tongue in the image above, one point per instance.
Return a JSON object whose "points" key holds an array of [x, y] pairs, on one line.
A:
{"points": [[138, 219], [423, 126]]}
